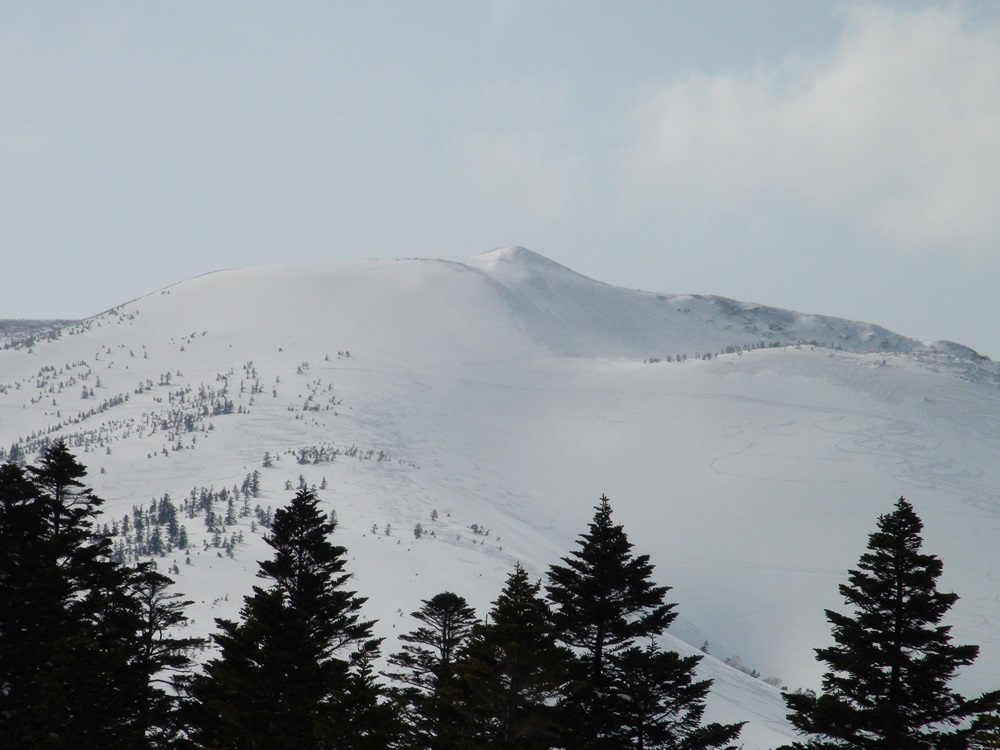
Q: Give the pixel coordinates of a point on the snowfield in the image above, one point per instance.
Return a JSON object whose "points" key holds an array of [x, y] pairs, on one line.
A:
{"points": [[508, 393]]}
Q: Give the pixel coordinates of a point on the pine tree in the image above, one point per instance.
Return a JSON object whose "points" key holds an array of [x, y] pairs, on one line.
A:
{"points": [[58, 476], [511, 670], [286, 669], [426, 671], [892, 660], [606, 607], [82, 620], [71, 622], [665, 703], [33, 594], [93, 692], [162, 657], [604, 602], [987, 733], [430, 650]]}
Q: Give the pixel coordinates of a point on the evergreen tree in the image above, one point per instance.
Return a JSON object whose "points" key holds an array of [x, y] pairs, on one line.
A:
{"points": [[426, 663], [372, 721], [664, 703], [16, 454], [512, 670], [287, 669], [82, 620], [70, 501], [162, 657], [892, 660], [987, 733], [268, 687], [606, 606], [33, 594], [604, 602], [71, 623], [429, 651], [93, 693]]}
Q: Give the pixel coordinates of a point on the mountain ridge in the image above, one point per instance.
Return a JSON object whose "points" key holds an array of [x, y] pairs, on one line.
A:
{"points": [[542, 282], [508, 395]]}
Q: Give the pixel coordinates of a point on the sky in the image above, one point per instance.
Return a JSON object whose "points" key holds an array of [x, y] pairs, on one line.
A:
{"points": [[834, 158]]}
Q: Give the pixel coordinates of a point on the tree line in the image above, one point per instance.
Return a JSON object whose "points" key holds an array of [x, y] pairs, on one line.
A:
{"points": [[90, 656]]}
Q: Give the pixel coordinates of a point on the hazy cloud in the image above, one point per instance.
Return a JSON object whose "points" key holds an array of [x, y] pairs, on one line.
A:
{"points": [[895, 132], [521, 171], [521, 155]]}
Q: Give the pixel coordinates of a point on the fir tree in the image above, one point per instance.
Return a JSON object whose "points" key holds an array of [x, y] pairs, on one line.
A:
{"points": [[262, 690], [85, 643], [71, 623], [987, 733], [58, 476], [892, 660], [606, 607], [604, 601], [372, 722], [33, 595], [162, 657], [429, 652], [286, 669], [426, 671], [512, 670], [93, 693], [664, 703]]}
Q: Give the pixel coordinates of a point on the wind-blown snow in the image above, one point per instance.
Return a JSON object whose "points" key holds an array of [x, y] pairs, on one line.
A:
{"points": [[510, 392]]}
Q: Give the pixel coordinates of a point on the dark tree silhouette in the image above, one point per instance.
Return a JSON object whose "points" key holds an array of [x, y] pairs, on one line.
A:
{"points": [[74, 671], [606, 606], [664, 703], [425, 664], [512, 670], [892, 660], [287, 669], [33, 596]]}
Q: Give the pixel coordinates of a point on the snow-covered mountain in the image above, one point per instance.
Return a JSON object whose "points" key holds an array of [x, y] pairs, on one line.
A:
{"points": [[747, 449]]}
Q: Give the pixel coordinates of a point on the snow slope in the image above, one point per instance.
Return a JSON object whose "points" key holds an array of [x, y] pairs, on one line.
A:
{"points": [[571, 314], [508, 393]]}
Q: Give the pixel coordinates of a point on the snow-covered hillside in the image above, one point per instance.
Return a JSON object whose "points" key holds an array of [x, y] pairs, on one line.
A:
{"points": [[571, 314], [748, 450]]}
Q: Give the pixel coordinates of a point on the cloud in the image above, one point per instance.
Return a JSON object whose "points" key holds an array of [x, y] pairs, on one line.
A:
{"points": [[522, 155], [502, 12], [893, 134], [521, 171]]}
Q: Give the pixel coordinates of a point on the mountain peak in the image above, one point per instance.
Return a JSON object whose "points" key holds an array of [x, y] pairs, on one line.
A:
{"points": [[517, 256]]}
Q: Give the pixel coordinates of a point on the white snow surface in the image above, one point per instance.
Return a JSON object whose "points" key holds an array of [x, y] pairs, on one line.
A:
{"points": [[511, 393]]}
